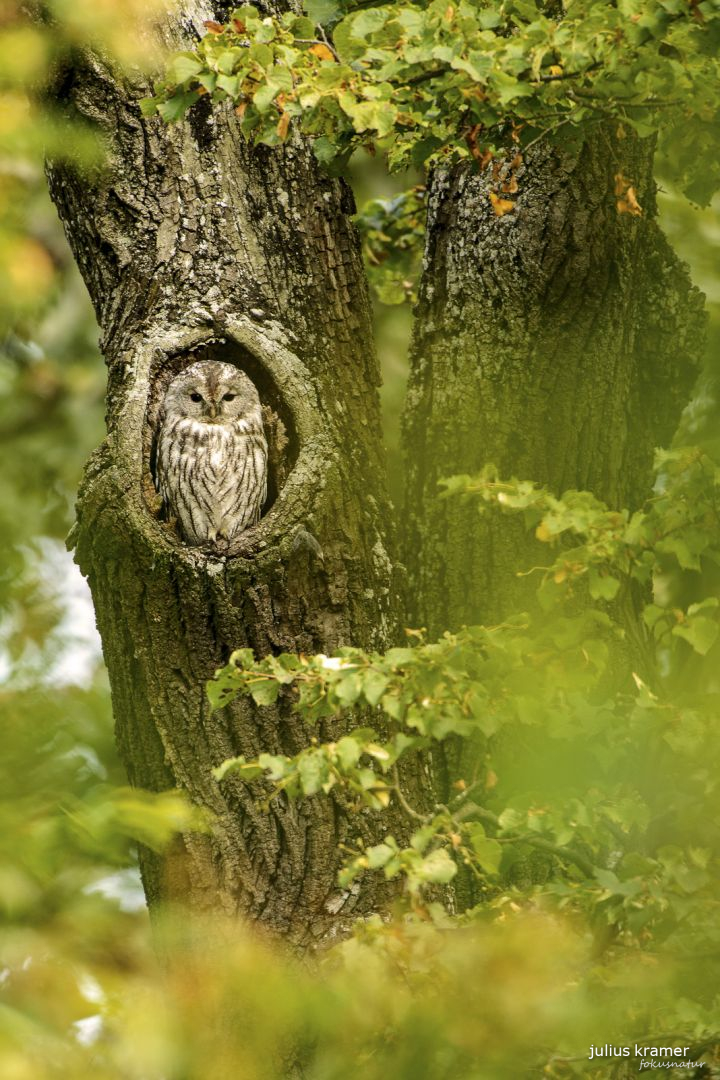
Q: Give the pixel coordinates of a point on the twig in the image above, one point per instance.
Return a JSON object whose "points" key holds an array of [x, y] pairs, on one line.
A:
{"points": [[409, 810]]}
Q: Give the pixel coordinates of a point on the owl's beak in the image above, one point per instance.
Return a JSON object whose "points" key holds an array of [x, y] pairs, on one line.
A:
{"points": [[212, 411]]}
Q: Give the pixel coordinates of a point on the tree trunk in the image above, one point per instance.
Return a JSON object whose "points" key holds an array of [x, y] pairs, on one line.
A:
{"points": [[193, 244], [559, 342]]}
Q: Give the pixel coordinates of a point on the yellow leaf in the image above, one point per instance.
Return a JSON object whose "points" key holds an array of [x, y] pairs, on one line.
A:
{"points": [[29, 267], [556, 69], [542, 532], [321, 51], [283, 125], [501, 206]]}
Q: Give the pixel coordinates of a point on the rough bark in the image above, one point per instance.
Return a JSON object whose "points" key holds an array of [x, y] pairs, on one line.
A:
{"points": [[559, 342], [193, 244]]}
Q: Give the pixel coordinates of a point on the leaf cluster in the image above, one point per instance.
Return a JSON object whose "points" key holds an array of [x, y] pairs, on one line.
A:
{"points": [[591, 796], [437, 81]]}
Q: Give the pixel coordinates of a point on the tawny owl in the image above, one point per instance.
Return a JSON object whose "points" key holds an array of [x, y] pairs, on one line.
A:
{"points": [[212, 452]]}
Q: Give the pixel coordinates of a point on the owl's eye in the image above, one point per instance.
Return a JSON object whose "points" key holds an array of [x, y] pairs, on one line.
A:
{"points": [[196, 397], [229, 397]]}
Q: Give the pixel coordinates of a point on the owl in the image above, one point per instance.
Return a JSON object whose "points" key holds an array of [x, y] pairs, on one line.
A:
{"points": [[212, 452]]}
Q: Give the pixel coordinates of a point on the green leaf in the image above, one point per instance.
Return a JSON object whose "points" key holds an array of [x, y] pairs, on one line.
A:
{"points": [[488, 852], [313, 771], [379, 855], [228, 83], [264, 96], [261, 54], [275, 764], [349, 688], [226, 61], [700, 632], [369, 22], [184, 66], [437, 867], [324, 150], [374, 685], [322, 11], [265, 692], [348, 751], [614, 886], [175, 107], [399, 657], [246, 770], [242, 658], [603, 586], [679, 547]]}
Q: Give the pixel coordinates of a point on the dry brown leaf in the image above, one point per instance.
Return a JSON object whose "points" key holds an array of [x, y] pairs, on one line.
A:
{"points": [[213, 27], [283, 125], [500, 206], [483, 157], [626, 196], [629, 205]]}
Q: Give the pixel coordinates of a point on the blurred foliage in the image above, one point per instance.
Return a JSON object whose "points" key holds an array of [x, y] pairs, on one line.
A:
{"points": [[393, 236], [32, 51], [591, 825], [593, 798]]}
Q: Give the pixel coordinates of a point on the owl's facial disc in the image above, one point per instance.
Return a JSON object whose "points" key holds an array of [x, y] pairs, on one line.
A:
{"points": [[214, 393]]}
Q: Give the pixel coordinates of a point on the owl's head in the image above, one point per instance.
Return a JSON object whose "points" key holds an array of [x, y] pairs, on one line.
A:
{"points": [[212, 393]]}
